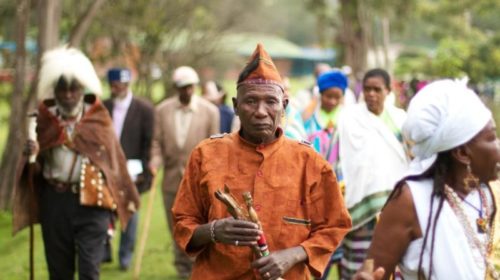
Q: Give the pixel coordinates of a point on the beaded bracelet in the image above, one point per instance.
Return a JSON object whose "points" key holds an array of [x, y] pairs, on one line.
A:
{"points": [[212, 231]]}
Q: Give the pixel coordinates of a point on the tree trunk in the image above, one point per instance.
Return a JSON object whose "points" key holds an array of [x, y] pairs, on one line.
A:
{"points": [[83, 24], [352, 36], [16, 136], [49, 17], [49, 14], [386, 43]]}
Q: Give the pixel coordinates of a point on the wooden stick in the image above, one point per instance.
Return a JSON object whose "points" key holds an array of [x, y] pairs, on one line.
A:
{"points": [[31, 198], [145, 231], [32, 135]]}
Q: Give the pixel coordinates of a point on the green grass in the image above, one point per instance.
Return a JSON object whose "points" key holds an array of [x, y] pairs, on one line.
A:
{"points": [[156, 263]]}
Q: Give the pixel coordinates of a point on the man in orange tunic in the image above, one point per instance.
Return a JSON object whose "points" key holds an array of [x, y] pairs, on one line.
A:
{"points": [[295, 192]]}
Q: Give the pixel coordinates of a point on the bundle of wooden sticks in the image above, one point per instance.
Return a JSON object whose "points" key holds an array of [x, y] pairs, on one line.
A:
{"points": [[246, 213]]}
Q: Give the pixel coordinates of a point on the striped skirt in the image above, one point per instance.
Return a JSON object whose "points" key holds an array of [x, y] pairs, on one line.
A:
{"points": [[355, 247]]}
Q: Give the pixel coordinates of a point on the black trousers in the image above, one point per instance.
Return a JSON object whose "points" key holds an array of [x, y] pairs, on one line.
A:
{"points": [[70, 230]]}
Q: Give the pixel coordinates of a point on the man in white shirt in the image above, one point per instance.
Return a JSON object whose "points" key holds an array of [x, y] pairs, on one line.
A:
{"points": [[133, 124]]}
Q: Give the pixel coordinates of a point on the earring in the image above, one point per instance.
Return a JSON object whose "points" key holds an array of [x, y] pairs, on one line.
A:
{"points": [[470, 180]]}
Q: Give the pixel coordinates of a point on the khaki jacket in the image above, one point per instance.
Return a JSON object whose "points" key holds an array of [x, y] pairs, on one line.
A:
{"points": [[166, 152]]}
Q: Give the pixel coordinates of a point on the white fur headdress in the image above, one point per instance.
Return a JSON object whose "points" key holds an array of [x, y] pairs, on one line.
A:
{"points": [[70, 63]]}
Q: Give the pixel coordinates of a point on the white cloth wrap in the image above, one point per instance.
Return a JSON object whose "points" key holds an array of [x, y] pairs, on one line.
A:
{"points": [[454, 258], [443, 115], [374, 159]]}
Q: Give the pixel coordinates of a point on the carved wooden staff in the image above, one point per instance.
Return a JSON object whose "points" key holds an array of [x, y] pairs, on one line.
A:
{"points": [[262, 242], [145, 229], [31, 173], [247, 213]]}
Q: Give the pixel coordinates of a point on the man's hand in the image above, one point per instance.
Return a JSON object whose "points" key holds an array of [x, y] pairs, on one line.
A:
{"points": [[279, 262], [366, 271], [31, 148], [236, 232], [152, 169]]}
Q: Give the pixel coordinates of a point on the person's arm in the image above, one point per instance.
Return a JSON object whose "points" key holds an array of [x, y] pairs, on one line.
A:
{"points": [[397, 227], [192, 225], [227, 231], [147, 128], [330, 221], [278, 263], [156, 152]]}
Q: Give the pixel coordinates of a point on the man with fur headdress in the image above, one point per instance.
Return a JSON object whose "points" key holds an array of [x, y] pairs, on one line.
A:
{"points": [[80, 176], [295, 192]]}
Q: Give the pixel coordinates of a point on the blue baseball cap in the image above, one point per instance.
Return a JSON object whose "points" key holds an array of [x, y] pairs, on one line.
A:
{"points": [[121, 75]]}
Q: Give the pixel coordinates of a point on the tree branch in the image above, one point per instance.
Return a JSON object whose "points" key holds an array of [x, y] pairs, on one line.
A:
{"points": [[83, 24]]}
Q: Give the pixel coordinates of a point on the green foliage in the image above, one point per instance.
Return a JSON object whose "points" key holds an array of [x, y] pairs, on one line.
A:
{"points": [[411, 63], [467, 37], [450, 58]]}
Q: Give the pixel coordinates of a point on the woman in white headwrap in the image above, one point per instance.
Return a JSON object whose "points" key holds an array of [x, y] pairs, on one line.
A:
{"points": [[439, 222]]}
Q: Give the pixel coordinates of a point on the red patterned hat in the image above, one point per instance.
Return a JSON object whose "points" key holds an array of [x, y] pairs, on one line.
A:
{"points": [[260, 70]]}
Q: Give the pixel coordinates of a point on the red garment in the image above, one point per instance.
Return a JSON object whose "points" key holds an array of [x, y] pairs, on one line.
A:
{"points": [[286, 179], [94, 138]]}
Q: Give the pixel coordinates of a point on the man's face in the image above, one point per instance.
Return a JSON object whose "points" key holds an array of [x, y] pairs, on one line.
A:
{"points": [[68, 95], [118, 89], [259, 108], [185, 93]]}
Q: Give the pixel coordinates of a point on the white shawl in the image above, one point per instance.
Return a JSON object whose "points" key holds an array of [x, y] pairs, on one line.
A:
{"points": [[373, 159], [453, 256]]}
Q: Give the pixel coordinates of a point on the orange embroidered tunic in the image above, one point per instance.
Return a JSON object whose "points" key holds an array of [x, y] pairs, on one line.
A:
{"points": [[287, 179]]}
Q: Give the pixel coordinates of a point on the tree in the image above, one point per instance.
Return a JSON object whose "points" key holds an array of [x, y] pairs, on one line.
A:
{"points": [[363, 25], [14, 140]]}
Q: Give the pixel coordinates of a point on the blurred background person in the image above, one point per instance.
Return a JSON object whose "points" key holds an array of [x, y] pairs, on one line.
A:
{"points": [[292, 123], [181, 122], [213, 92], [306, 100], [322, 132], [133, 121], [373, 159]]}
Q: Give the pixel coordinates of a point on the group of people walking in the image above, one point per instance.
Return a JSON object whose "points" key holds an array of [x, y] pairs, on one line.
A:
{"points": [[411, 191]]}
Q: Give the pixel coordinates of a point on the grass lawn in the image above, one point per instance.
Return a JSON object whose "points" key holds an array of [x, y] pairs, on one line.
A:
{"points": [[156, 263]]}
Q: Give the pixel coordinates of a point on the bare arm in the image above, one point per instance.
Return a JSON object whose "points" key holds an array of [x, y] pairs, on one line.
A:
{"points": [[398, 226]]}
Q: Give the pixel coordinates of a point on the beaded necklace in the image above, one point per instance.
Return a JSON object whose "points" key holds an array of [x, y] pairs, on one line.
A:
{"points": [[485, 248], [482, 221]]}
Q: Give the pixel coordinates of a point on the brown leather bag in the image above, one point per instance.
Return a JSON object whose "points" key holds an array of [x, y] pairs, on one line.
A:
{"points": [[93, 187]]}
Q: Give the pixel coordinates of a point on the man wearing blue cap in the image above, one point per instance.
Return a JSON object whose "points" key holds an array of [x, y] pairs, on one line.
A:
{"points": [[133, 123]]}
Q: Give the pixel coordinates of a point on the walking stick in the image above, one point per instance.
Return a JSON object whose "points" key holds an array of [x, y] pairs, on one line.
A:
{"points": [[31, 172], [145, 232]]}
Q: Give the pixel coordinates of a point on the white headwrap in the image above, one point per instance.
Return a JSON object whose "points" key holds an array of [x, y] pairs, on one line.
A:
{"points": [[443, 115], [70, 63]]}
